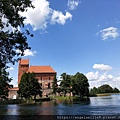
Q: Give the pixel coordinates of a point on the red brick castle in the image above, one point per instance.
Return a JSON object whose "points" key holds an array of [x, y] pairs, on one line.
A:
{"points": [[44, 74]]}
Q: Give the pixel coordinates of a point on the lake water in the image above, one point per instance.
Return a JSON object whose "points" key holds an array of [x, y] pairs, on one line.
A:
{"points": [[107, 105]]}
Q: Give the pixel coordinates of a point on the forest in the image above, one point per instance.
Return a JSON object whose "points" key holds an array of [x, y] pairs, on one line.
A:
{"points": [[103, 89]]}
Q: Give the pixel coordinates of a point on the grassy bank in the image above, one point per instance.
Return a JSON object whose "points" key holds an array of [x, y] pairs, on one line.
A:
{"points": [[23, 101], [103, 94], [61, 97], [69, 98]]}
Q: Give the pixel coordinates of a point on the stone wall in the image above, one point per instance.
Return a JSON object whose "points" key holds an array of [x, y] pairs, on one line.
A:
{"points": [[12, 94]]}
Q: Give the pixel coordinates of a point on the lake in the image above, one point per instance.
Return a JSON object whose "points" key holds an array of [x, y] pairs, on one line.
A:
{"points": [[105, 105]]}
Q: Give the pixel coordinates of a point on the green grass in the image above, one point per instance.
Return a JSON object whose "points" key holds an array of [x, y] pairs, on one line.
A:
{"points": [[104, 94], [62, 97], [66, 97]]}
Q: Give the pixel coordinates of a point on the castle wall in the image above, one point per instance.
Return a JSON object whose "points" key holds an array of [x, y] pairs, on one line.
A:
{"points": [[12, 94], [22, 68], [45, 79]]}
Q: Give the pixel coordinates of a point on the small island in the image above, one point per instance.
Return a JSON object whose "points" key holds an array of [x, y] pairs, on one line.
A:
{"points": [[39, 83]]}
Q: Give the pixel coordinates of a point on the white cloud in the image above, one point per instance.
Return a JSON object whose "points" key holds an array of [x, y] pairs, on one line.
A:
{"points": [[105, 77], [14, 83], [102, 67], [98, 78], [28, 52], [42, 15], [92, 75], [110, 32], [11, 68], [9, 27], [72, 4], [39, 16], [59, 17]]}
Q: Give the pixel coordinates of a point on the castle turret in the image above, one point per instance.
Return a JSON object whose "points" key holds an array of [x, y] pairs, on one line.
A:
{"points": [[22, 68]]}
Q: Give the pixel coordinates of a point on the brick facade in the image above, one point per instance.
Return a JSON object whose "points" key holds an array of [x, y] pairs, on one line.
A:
{"points": [[22, 68], [44, 74]]}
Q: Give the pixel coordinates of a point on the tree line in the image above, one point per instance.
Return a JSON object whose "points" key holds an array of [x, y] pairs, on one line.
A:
{"points": [[103, 89], [76, 84]]}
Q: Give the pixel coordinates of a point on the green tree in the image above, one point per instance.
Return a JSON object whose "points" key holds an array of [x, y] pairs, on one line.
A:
{"points": [[4, 83], [12, 40], [29, 86], [54, 85], [105, 89], [65, 84], [93, 91], [80, 85], [116, 90]]}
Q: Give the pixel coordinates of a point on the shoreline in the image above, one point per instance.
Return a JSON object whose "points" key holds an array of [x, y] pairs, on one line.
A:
{"points": [[61, 98], [103, 94]]}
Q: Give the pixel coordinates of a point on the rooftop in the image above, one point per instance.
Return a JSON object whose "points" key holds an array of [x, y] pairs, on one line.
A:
{"points": [[41, 69], [24, 62], [14, 88]]}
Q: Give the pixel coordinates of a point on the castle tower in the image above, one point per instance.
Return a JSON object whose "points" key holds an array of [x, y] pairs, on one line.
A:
{"points": [[22, 68]]}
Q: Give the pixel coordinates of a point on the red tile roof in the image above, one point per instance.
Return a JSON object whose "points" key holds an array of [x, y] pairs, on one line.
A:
{"points": [[24, 62], [14, 88], [41, 69]]}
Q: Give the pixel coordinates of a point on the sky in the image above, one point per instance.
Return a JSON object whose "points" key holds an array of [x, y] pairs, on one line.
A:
{"points": [[75, 36]]}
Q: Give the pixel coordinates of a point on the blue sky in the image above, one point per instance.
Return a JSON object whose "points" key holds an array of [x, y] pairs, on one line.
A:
{"points": [[75, 36]]}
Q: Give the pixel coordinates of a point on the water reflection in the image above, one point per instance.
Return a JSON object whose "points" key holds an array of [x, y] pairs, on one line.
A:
{"points": [[12, 110], [107, 105]]}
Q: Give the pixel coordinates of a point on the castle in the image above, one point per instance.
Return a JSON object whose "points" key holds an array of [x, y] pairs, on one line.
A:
{"points": [[44, 74]]}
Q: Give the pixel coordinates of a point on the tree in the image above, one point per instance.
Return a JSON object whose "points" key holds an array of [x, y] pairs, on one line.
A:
{"points": [[115, 90], [12, 40], [29, 86], [4, 83], [54, 85], [105, 89], [80, 85], [77, 84], [65, 84], [93, 91]]}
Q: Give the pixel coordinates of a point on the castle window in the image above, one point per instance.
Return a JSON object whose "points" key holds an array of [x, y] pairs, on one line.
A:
{"points": [[49, 78], [46, 85]]}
